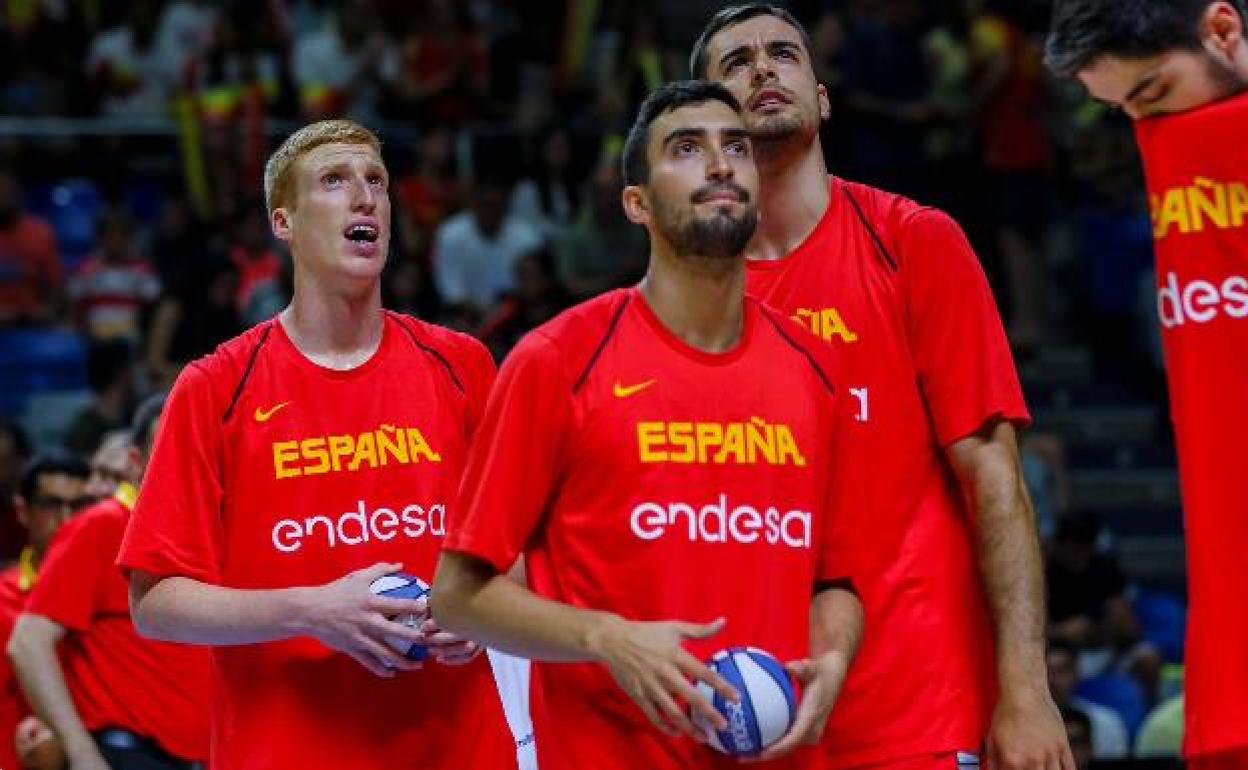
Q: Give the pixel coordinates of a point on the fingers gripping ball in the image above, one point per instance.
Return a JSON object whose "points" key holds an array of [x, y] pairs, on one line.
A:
{"points": [[767, 706], [401, 585]]}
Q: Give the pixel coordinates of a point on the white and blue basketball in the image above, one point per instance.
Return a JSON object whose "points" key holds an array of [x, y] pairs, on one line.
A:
{"points": [[401, 585], [767, 706]]}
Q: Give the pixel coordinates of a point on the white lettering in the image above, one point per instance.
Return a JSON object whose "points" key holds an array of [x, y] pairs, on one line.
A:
{"points": [[359, 526], [1200, 301], [720, 522]]}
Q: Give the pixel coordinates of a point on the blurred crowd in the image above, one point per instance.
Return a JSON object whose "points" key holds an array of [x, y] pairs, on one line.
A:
{"points": [[140, 225]]}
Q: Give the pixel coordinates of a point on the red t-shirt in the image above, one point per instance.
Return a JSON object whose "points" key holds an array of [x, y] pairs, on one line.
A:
{"points": [[644, 477], [13, 706], [1197, 169], [117, 678], [928, 364], [270, 471], [30, 268]]}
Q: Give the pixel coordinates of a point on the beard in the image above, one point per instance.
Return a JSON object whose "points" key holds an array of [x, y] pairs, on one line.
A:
{"points": [[719, 236], [1226, 80]]}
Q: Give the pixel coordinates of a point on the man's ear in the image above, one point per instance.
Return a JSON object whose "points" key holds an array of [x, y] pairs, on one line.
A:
{"points": [[636, 204], [20, 511], [825, 102], [1223, 29], [280, 224]]}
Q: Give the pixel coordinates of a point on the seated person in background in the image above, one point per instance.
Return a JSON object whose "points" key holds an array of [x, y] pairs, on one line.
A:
{"points": [[1107, 731], [48, 491], [114, 288], [114, 699], [31, 281], [111, 377], [538, 297], [1088, 606]]}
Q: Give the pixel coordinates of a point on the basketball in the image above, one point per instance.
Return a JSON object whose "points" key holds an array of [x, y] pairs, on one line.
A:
{"points": [[401, 585], [767, 706]]}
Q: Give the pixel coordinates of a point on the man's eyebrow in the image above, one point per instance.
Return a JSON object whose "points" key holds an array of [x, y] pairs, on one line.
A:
{"points": [[731, 52], [685, 132], [735, 133]]}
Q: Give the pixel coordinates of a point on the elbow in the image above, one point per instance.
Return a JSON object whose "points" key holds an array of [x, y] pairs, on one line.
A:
{"points": [[454, 584], [142, 612]]}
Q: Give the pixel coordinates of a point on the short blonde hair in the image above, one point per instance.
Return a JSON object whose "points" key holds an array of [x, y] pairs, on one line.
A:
{"points": [[279, 170]]}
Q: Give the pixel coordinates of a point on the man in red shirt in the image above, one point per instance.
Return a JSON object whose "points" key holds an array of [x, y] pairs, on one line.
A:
{"points": [[298, 463], [663, 457], [895, 287], [1181, 70], [49, 490], [112, 698], [31, 280]]}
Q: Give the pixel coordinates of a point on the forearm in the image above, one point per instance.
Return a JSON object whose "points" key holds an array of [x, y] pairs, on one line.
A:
{"points": [[1009, 553], [179, 609], [473, 600], [836, 623], [32, 648]]}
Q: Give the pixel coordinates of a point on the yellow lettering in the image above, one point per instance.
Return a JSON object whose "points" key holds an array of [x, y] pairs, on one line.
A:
{"points": [[808, 318], [1201, 206], [831, 325], [709, 434], [650, 442], [418, 446], [340, 447], [1173, 212], [787, 446], [283, 452], [365, 451], [1238, 203], [314, 449], [390, 443], [734, 444], [680, 438]]}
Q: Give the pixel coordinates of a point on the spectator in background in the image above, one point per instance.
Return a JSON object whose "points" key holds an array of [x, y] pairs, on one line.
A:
{"points": [[14, 452], [1079, 733], [538, 297], [112, 291], [111, 378], [30, 264], [550, 198], [114, 699], [1107, 731], [110, 465], [132, 74], [1161, 735], [407, 287], [1009, 89], [442, 75], [259, 294], [601, 250], [886, 86], [428, 195], [474, 252], [1088, 606], [49, 492], [342, 68]]}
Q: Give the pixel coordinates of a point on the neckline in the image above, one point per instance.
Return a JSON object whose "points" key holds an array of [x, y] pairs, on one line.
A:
{"points": [[307, 364], [807, 243], [684, 349]]}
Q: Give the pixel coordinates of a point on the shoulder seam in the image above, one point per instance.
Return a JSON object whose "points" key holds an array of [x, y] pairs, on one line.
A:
{"points": [[446, 364], [810, 359], [871, 231], [602, 344], [251, 361]]}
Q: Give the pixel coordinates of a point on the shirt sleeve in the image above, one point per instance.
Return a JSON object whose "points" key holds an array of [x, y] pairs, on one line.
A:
{"points": [[77, 567], [960, 350], [479, 380], [514, 460], [176, 527]]}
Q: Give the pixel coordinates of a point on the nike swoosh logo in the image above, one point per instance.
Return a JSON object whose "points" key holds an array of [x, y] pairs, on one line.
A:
{"points": [[263, 415], [624, 391]]}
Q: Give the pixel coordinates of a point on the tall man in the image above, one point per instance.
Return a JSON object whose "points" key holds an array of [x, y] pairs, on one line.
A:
{"points": [[1153, 60], [895, 287], [298, 463], [663, 456], [49, 490], [113, 699]]}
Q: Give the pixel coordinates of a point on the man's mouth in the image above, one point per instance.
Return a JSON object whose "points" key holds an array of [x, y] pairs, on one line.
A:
{"points": [[769, 98], [362, 233]]}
